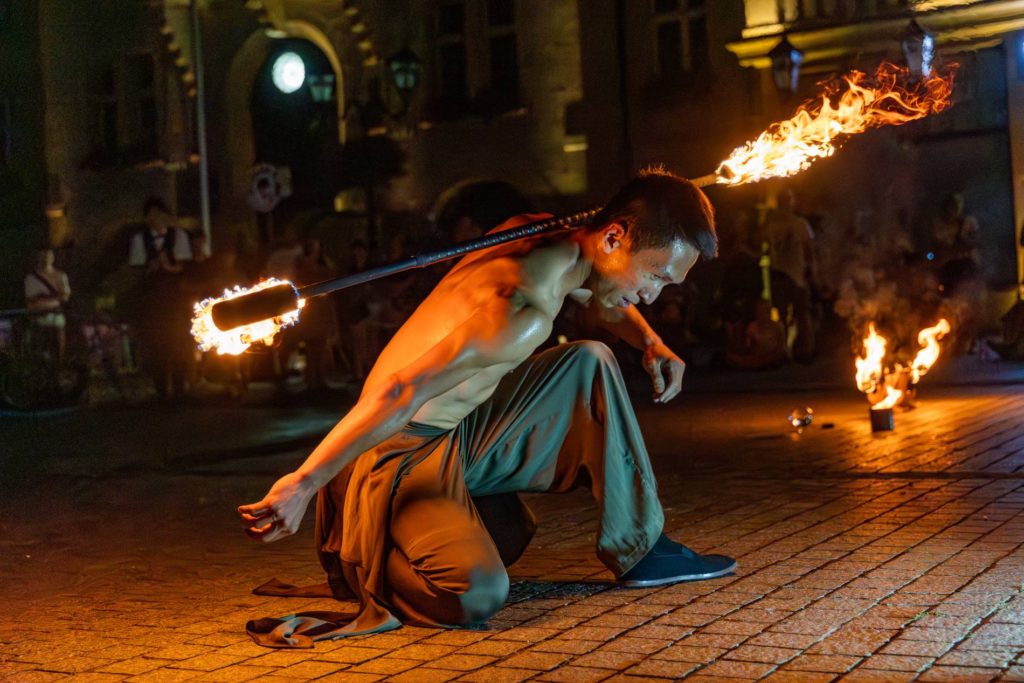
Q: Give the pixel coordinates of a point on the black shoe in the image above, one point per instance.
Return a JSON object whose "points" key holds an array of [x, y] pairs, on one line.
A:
{"points": [[671, 562]]}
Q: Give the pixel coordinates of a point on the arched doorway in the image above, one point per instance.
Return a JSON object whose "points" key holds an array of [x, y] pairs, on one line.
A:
{"points": [[294, 121], [247, 138]]}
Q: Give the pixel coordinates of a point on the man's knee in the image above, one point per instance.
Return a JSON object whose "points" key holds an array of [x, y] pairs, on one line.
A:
{"points": [[487, 592]]}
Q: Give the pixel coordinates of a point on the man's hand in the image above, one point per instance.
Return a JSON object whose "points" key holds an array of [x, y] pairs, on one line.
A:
{"points": [[280, 512], [659, 361]]}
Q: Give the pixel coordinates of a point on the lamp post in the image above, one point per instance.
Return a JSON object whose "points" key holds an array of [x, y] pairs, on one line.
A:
{"points": [[786, 61], [405, 68], [918, 47]]}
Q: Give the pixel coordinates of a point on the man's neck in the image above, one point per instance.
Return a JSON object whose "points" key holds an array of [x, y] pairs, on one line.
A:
{"points": [[580, 272]]}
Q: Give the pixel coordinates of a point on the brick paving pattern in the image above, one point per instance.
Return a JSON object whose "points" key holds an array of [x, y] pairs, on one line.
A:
{"points": [[862, 558]]}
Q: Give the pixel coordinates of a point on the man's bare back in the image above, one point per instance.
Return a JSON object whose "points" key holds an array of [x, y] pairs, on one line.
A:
{"points": [[525, 283]]}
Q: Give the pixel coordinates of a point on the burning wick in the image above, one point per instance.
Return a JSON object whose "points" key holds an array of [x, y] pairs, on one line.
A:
{"points": [[236, 340], [888, 98]]}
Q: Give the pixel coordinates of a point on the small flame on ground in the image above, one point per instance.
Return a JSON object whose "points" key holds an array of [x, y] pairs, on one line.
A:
{"points": [[888, 98], [892, 397], [871, 371], [928, 339], [869, 368], [238, 339]]}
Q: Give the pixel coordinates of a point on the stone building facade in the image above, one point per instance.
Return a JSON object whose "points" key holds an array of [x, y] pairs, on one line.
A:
{"points": [[563, 99]]}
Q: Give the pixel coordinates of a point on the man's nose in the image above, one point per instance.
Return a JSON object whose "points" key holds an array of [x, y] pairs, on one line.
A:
{"points": [[650, 295]]}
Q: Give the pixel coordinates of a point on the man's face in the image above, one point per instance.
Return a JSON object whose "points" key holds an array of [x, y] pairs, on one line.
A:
{"points": [[626, 276]]}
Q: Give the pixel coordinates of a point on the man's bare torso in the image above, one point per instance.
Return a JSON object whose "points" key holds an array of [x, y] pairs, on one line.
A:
{"points": [[529, 279]]}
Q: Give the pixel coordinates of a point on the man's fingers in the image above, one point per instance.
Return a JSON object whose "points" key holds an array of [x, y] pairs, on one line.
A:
{"points": [[255, 517], [260, 533], [260, 509]]}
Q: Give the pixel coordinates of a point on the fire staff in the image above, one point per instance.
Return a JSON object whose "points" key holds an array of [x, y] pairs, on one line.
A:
{"points": [[417, 506]]}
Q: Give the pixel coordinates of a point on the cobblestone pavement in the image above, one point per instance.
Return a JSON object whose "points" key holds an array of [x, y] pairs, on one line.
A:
{"points": [[862, 558]]}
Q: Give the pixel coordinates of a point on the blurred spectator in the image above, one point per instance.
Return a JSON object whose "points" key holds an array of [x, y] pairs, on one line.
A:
{"points": [[161, 249], [958, 268], [471, 210], [742, 283], [47, 290], [160, 246], [318, 325], [758, 344], [790, 238], [955, 238], [283, 257], [357, 339], [1012, 345]]}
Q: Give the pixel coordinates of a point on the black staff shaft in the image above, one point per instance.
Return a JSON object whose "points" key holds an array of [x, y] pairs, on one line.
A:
{"points": [[548, 226]]}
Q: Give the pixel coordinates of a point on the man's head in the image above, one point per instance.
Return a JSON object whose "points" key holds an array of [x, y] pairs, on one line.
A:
{"points": [[158, 217], [647, 236]]}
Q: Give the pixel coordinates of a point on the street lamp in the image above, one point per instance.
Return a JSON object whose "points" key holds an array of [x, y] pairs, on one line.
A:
{"points": [[321, 87], [405, 67], [786, 61], [918, 48], [288, 72]]}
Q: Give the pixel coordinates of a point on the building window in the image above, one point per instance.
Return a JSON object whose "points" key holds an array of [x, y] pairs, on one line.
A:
{"points": [[141, 126], [124, 105], [451, 51], [680, 37], [503, 54]]}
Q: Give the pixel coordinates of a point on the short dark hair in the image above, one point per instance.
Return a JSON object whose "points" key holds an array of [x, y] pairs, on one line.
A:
{"points": [[658, 207], [154, 203]]}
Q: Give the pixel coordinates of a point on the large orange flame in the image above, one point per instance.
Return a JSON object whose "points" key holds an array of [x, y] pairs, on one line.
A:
{"points": [[847, 106], [238, 339]]}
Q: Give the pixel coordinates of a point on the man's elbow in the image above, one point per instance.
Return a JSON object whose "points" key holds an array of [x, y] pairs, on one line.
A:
{"points": [[400, 397]]}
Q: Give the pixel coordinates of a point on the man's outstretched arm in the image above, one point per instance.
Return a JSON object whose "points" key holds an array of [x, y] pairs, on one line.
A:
{"points": [[629, 325], [487, 337]]}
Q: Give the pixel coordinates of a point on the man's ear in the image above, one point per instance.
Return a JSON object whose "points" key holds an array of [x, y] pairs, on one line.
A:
{"points": [[612, 237]]}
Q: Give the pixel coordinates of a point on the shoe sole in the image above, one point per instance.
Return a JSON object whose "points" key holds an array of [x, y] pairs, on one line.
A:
{"points": [[647, 583]]}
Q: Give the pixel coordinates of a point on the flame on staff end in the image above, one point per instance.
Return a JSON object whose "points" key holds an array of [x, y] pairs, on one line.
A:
{"points": [[238, 339], [849, 105]]}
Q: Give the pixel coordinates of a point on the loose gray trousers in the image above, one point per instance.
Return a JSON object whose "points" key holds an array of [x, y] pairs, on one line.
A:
{"points": [[400, 529]]}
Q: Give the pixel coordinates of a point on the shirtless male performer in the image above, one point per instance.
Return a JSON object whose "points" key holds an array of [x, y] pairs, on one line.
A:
{"points": [[417, 513]]}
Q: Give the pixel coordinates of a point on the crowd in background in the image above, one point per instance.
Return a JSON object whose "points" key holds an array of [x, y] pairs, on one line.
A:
{"points": [[783, 282]]}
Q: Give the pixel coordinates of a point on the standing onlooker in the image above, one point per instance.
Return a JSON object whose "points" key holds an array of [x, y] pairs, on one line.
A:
{"points": [[790, 240], [160, 249], [47, 290], [959, 271], [319, 325]]}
